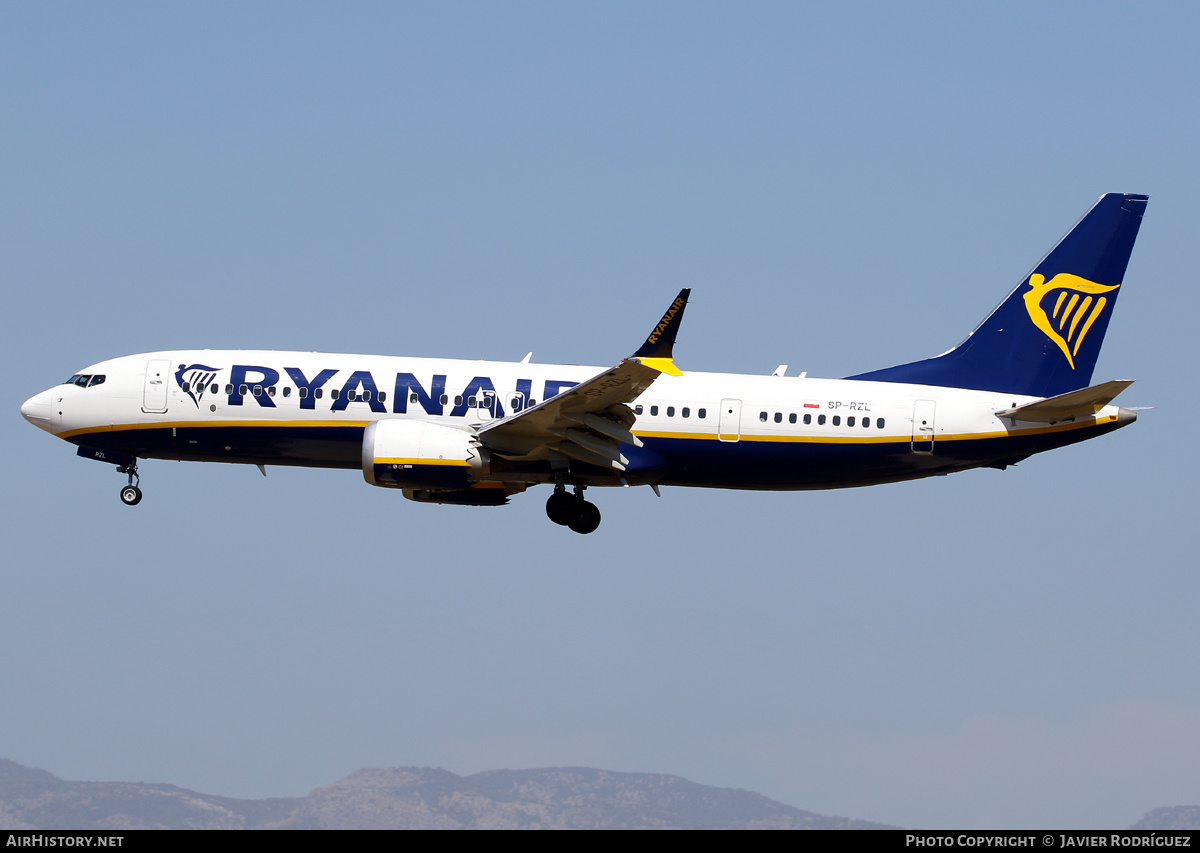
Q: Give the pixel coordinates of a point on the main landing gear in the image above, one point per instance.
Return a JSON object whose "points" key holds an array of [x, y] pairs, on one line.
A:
{"points": [[571, 510], [131, 495]]}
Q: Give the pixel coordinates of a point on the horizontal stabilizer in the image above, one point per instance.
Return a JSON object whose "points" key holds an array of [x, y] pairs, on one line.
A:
{"points": [[1082, 403]]}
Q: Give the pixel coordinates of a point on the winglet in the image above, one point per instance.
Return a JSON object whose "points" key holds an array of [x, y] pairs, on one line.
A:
{"points": [[656, 352]]}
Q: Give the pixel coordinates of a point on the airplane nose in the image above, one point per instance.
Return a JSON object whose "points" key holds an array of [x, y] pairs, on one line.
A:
{"points": [[37, 410]]}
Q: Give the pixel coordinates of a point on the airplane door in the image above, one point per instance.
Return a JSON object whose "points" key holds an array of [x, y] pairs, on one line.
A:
{"points": [[154, 394], [922, 426], [730, 426], [487, 406]]}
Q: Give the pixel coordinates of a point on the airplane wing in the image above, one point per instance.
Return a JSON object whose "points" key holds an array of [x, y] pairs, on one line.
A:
{"points": [[589, 422], [1082, 403]]}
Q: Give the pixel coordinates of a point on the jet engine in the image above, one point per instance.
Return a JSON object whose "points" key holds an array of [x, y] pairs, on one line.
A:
{"points": [[408, 454]]}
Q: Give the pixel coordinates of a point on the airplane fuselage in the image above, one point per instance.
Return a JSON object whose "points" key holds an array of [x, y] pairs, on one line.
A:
{"points": [[699, 429], [478, 432]]}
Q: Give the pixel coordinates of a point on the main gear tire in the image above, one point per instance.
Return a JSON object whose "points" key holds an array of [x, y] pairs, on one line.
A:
{"points": [[563, 508], [588, 518]]}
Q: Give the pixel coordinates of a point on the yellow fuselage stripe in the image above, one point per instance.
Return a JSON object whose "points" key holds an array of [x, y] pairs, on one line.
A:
{"points": [[388, 460], [208, 424], [882, 439], [701, 436]]}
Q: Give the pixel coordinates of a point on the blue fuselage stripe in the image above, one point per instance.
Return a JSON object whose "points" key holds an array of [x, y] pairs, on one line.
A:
{"points": [[745, 464]]}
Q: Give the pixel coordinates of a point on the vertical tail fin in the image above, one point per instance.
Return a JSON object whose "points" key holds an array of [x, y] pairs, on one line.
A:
{"points": [[1044, 339]]}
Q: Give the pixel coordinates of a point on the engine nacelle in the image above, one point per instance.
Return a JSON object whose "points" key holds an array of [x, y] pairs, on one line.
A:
{"points": [[410, 454]]}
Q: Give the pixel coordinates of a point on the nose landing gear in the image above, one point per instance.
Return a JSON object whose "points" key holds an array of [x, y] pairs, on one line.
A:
{"points": [[571, 510], [131, 495]]}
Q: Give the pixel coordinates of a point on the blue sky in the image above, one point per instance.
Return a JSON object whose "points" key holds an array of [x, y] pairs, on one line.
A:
{"points": [[843, 187]]}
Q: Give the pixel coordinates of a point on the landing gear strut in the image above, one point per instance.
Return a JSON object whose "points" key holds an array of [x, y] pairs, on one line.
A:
{"points": [[571, 510], [131, 495]]}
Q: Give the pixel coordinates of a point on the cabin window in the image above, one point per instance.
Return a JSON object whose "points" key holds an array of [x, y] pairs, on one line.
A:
{"points": [[287, 390], [670, 411], [366, 396], [779, 417], [687, 413], [637, 410], [243, 390], [820, 420], [850, 421], [792, 418], [414, 398], [532, 401], [837, 420], [762, 416], [303, 393], [879, 422], [654, 411], [334, 393], [214, 388], [185, 387], [320, 392], [807, 418], [471, 402], [458, 399], [270, 390], [382, 396], [700, 414], [866, 423], [514, 403], [352, 396]]}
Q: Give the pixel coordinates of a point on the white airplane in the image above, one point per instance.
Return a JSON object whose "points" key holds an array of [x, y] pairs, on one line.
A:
{"points": [[474, 432]]}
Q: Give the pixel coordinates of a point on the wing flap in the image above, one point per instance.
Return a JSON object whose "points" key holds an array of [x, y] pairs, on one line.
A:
{"points": [[599, 404]]}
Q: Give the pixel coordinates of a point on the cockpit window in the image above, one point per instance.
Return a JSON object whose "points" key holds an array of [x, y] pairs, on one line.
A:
{"points": [[80, 379], [98, 379]]}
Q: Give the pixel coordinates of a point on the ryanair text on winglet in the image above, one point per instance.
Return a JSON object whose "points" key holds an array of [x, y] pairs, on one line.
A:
{"points": [[666, 320]]}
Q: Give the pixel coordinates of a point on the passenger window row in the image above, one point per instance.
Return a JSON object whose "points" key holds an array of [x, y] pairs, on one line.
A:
{"points": [[360, 397], [684, 412], [302, 393], [808, 419]]}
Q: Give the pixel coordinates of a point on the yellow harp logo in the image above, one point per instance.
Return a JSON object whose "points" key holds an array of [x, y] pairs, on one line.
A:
{"points": [[1077, 306]]}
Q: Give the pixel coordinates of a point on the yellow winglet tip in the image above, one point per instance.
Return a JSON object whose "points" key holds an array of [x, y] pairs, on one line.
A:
{"points": [[662, 365]]}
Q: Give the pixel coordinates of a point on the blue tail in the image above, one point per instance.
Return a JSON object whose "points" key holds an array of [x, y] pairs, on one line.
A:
{"points": [[1045, 337]]}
